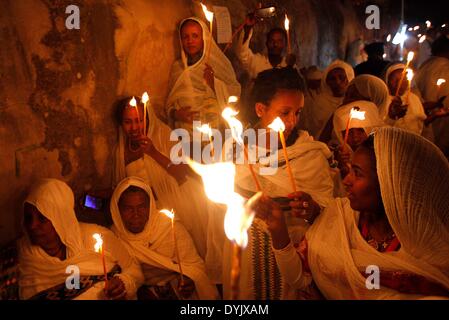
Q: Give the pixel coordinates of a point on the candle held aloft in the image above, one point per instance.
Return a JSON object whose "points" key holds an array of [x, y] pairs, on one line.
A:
{"points": [[145, 99], [279, 126], [410, 57], [287, 29], [355, 113]]}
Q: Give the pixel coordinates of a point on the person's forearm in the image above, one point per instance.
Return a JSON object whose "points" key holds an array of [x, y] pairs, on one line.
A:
{"points": [[162, 160], [290, 267]]}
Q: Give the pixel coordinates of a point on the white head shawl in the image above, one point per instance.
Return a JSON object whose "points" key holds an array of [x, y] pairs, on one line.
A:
{"points": [[391, 69], [414, 175], [39, 271], [156, 234], [341, 115], [372, 88], [325, 104], [187, 82]]}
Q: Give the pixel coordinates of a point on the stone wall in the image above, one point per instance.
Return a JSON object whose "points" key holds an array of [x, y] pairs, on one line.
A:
{"points": [[57, 86]]}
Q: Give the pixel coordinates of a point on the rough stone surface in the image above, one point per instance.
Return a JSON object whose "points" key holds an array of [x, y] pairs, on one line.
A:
{"points": [[57, 86]]}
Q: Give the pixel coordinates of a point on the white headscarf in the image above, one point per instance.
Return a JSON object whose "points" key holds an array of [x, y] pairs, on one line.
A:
{"points": [[372, 88], [413, 176], [321, 109], [187, 85], [156, 237], [39, 271], [372, 118]]}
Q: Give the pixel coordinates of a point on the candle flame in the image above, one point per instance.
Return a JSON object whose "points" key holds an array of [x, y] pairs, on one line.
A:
{"points": [[410, 29], [416, 28], [286, 23], [205, 128], [384, 56], [170, 214], [389, 38], [145, 97], [236, 126], [99, 244], [357, 114], [238, 216], [410, 74], [233, 99], [440, 82], [422, 39], [443, 26], [133, 102], [209, 14], [410, 56], [428, 24], [277, 125]]}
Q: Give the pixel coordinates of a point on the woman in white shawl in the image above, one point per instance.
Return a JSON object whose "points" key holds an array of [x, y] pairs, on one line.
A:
{"points": [[364, 87], [175, 186], [413, 116], [56, 245], [318, 109], [390, 234], [359, 130], [278, 93], [201, 81], [148, 235]]}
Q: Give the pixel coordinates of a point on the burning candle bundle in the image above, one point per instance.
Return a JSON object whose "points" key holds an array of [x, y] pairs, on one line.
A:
{"points": [[206, 129], [237, 130], [410, 75], [171, 215], [410, 56], [98, 247], [239, 216], [279, 126], [133, 103], [355, 113]]}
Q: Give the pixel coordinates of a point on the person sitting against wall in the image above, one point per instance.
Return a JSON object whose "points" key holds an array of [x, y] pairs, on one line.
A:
{"points": [[54, 242]]}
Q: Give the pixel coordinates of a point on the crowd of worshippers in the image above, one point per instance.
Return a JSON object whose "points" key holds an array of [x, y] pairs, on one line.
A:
{"points": [[377, 199]]}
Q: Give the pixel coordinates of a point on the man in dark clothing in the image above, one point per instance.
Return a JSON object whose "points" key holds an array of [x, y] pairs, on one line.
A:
{"points": [[375, 64]]}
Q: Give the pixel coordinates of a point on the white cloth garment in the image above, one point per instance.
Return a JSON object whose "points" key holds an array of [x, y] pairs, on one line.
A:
{"points": [[413, 175], [341, 116], [253, 63], [39, 271], [414, 118], [372, 88], [308, 161], [188, 200], [426, 81], [318, 110], [155, 247], [187, 87]]}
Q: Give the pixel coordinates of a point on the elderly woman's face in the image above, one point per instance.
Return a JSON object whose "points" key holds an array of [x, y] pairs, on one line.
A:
{"points": [[40, 230], [135, 210], [286, 105], [393, 82], [338, 81], [192, 38], [362, 183]]}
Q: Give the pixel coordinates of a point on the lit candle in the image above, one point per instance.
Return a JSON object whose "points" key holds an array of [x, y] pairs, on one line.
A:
{"points": [[209, 17], [98, 247], [133, 103], [410, 75], [287, 29], [410, 56], [171, 215], [428, 24], [439, 83], [206, 129], [354, 113], [279, 126], [145, 99], [389, 38], [422, 39], [239, 215], [237, 130]]}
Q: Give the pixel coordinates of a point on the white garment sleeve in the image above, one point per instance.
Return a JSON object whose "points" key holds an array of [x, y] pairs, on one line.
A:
{"points": [[253, 63], [290, 266], [131, 274]]}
